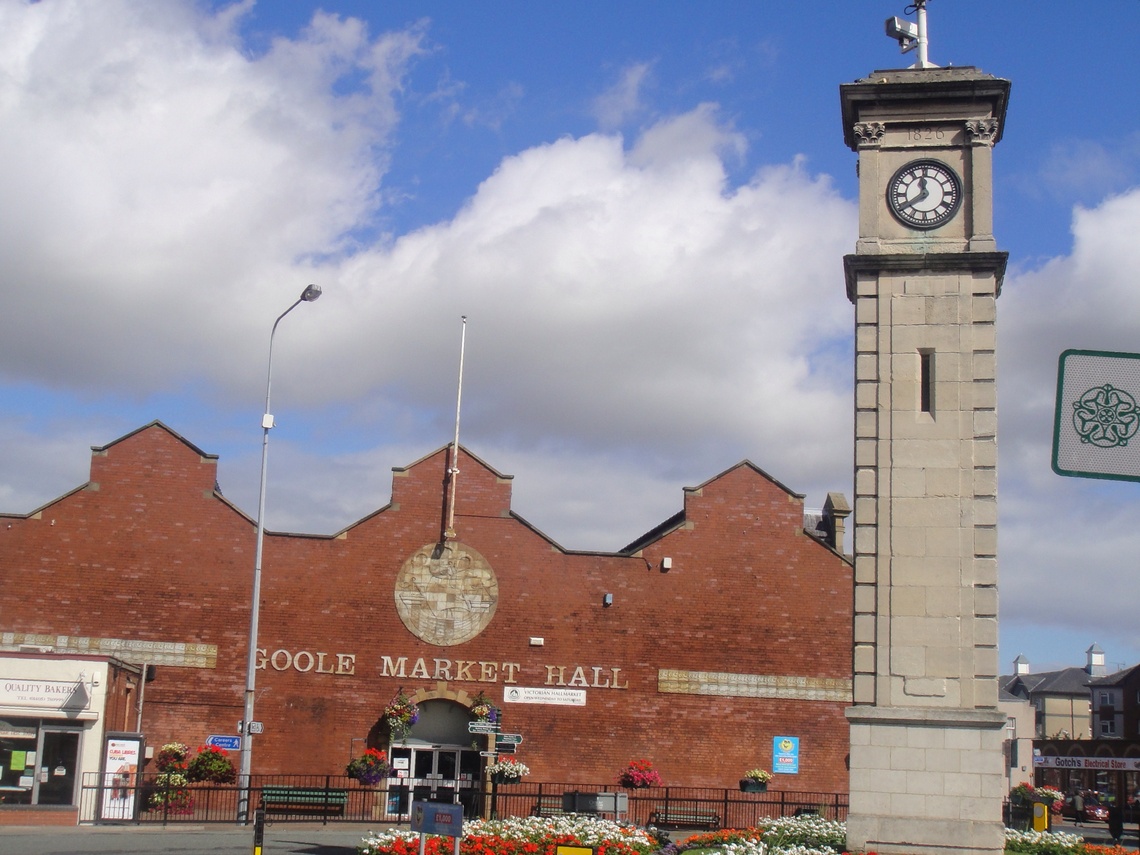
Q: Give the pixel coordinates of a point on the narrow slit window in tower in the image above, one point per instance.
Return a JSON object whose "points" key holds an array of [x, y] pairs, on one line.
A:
{"points": [[926, 381]]}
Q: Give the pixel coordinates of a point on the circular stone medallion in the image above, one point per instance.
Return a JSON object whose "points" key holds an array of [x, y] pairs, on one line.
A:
{"points": [[446, 595]]}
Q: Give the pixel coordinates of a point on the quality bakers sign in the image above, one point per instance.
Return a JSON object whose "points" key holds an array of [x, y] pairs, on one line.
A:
{"points": [[44, 694], [1096, 427]]}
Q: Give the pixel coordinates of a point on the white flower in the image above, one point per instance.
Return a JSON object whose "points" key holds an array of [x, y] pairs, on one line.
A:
{"points": [[509, 768], [591, 831]]}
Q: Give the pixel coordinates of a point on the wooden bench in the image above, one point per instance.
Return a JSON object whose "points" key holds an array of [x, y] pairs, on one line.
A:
{"points": [[304, 800], [684, 817], [548, 804]]}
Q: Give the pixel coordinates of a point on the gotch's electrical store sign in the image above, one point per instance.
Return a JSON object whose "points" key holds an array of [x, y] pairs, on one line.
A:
{"points": [[1100, 764]]}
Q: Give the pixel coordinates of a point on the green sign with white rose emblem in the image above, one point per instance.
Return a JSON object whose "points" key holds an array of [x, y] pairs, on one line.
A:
{"points": [[1096, 428]]}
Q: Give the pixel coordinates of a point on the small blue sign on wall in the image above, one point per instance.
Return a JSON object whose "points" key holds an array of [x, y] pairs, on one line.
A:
{"points": [[786, 755]]}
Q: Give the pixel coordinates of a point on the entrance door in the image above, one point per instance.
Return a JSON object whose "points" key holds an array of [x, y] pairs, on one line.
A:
{"points": [[56, 767], [437, 773]]}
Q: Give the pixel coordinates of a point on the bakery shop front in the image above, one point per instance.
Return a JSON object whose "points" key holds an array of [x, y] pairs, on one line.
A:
{"points": [[54, 712]]}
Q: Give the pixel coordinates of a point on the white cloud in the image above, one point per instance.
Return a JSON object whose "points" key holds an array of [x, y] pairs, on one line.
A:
{"points": [[643, 296], [637, 322], [1067, 545], [159, 183], [622, 101], [632, 314]]}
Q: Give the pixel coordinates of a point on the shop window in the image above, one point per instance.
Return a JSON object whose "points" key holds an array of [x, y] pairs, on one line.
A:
{"points": [[17, 762], [37, 766]]}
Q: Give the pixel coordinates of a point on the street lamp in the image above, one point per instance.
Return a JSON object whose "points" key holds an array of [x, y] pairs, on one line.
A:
{"points": [[307, 296]]}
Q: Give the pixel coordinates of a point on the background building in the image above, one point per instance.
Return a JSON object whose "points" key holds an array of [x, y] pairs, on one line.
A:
{"points": [[1018, 743], [1060, 698], [1115, 704], [1086, 726]]}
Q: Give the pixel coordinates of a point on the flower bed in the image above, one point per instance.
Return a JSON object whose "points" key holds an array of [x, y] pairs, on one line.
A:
{"points": [[802, 835], [805, 835], [519, 836]]}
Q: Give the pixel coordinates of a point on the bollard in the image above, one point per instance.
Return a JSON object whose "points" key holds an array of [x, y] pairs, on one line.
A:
{"points": [[258, 830], [1041, 817]]}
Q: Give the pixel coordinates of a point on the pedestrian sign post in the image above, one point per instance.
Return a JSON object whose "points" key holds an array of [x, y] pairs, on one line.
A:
{"points": [[439, 819]]}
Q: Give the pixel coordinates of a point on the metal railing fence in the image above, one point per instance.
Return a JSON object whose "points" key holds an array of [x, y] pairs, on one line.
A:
{"points": [[337, 798]]}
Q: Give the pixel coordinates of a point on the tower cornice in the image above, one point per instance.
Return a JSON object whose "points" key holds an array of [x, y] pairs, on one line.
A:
{"points": [[993, 263], [887, 95]]}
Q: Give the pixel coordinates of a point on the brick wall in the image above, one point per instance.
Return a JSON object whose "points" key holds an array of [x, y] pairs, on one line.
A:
{"points": [[147, 551]]}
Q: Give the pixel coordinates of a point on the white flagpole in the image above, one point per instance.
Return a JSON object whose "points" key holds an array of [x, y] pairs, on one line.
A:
{"points": [[453, 466]]}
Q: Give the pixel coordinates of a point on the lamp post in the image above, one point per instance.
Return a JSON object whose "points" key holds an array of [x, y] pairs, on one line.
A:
{"points": [[310, 294]]}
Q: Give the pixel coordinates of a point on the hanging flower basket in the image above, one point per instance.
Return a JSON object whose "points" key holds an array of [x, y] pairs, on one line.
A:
{"points": [[172, 757], [211, 765], [483, 710], [638, 775], [400, 714], [370, 769], [755, 781], [1024, 794], [507, 771]]}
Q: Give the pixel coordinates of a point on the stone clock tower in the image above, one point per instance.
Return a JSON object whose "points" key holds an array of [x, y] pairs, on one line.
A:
{"points": [[926, 734]]}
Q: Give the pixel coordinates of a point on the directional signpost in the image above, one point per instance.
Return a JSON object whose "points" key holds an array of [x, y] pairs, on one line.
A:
{"points": [[229, 743], [482, 727], [512, 738]]}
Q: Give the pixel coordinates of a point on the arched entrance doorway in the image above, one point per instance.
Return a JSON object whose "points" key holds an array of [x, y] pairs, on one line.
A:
{"points": [[437, 761]]}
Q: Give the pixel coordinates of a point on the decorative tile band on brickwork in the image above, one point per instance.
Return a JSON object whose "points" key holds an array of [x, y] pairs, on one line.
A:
{"points": [[177, 653], [753, 685]]}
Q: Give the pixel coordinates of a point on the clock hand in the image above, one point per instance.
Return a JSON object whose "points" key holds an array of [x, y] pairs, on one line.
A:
{"points": [[923, 192]]}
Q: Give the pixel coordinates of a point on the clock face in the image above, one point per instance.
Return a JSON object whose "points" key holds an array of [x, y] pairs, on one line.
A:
{"points": [[924, 194]]}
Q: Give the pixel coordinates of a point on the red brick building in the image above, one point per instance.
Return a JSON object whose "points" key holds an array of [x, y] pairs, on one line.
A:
{"points": [[726, 626]]}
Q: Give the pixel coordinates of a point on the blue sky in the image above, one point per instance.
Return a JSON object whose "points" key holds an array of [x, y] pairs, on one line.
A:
{"points": [[641, 207]]}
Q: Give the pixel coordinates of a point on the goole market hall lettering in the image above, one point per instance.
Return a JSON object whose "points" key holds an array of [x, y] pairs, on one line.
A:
{"points": [[422, 668], [305, 661]]}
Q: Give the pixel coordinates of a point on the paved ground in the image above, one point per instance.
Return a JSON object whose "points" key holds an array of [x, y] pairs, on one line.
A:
{"points": [[1097, 832], [280, 839]]}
